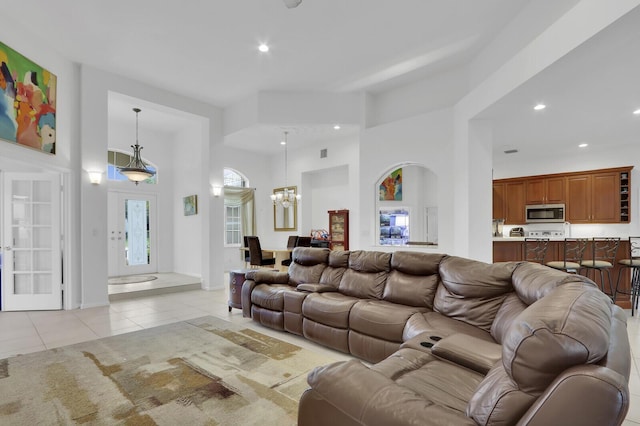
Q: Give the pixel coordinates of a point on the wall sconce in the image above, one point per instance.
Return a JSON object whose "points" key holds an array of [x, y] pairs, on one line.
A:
{"points": [[216, 191], [95, 177]]}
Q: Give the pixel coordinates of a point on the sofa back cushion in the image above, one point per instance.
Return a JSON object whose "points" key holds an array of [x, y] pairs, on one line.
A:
{"points": [[472, 291], [413, 279], [366, 275], [307, 265], [338, 263], [570, 326], [531, 281]]}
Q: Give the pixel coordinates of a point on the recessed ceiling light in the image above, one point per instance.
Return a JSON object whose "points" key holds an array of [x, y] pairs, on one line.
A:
{"points": [[283, 143], [336, 127], [583, 145], [263, 48], [637, 112], [539, 107]]}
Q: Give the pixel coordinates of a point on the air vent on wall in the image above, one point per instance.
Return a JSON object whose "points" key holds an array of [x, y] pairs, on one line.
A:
{"points": [[511, 151], [323, 153]]}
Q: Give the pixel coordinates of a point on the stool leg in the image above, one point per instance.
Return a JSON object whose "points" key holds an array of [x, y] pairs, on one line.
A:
{"points": [[610, 284], [635, 282], [615, 292]]}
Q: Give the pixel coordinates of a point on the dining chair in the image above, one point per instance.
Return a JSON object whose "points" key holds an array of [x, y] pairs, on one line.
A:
{"points": [[631, 261], [292, 242], [304, 242], [247, 257], [258, 257], [603, 256], [535, 249], [573, 250]]}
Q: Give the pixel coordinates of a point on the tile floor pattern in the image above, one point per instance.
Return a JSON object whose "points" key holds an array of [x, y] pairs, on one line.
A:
{"points": [[25, 332]]}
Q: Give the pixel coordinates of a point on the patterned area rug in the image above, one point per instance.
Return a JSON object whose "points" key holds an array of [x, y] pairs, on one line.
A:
{"points": [[130, 279], [205, 371]]}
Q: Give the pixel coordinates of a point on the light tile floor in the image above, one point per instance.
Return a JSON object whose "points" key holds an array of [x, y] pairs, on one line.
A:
{"points": [[25, 332]]}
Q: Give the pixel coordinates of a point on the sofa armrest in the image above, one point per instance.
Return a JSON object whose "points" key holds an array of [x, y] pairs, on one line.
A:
{"points": [[267, 276], [245, 297], [316, 288], [369, 398], [468, 351]]}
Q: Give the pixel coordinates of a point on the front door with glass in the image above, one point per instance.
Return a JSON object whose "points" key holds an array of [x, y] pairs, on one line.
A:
{"points": [[132, 234]]}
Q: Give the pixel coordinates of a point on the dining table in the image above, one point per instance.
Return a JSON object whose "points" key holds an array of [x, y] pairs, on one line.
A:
{"points": [[279, 254]]}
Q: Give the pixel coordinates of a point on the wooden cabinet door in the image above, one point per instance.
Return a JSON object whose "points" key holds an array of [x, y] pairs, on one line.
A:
{"points": [[545, 190], [535, 191], [507, 251], [578, 199], [554, 190], [514, 203], [499, 201], [605, 198]]}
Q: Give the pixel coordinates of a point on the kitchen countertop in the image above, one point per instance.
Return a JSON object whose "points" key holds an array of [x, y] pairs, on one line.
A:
{"points": [[498, 239]]}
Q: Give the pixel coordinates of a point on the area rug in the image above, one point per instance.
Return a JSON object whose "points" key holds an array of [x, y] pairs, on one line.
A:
{"points": [[205, 371], [130, 279]]}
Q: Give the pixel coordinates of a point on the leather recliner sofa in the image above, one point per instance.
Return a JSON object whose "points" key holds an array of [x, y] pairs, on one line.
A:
{"points": [[453, 341]]}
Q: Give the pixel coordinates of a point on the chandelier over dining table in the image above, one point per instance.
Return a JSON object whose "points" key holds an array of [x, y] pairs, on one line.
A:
{"points": [[287, 196]]}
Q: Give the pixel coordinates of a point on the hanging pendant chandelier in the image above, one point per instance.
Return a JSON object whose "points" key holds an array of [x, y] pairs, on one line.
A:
{"points": [[288, 195], [136, 171]]}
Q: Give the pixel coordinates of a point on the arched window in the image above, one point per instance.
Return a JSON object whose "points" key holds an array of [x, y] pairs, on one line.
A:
{"points": [[121, 159], [233, 208]]}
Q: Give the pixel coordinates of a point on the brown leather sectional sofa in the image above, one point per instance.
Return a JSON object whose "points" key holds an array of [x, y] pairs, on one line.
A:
{"points": [[453, 341]]}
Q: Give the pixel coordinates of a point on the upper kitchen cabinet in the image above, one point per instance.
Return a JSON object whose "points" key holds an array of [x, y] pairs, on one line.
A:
{"points": [[599, 196], [514, 203], [548, 190], [596, 196]]}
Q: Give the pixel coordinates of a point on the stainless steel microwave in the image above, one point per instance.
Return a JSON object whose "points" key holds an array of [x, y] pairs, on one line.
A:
{"points": [[544, 213]]}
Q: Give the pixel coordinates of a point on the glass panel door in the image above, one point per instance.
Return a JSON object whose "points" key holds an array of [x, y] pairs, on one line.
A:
{"points": [[31, 253], [132, 231]]}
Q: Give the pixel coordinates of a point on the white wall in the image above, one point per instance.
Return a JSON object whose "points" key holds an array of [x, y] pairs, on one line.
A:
{"points": [[425, 140], [187, 230]]}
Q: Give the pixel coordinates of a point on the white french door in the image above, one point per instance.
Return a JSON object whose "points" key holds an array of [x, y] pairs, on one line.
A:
{"points": [[132, 234], [32, 261]]}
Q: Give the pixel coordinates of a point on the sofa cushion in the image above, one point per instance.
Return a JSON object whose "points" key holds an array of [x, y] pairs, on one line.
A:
{"points": [[367, 274], [338, 264], [568, 327], [472, 291], [532, 281], [509, 310], [413, 279], [436, 324], [330, 309], [270, 296], [381, 319], [307, 265]]}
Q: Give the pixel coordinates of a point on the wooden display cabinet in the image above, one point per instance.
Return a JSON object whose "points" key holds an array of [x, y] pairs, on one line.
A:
{"points": [[339, 229]]}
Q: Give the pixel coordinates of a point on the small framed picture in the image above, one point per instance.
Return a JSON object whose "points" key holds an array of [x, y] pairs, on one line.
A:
{"points": [[190, 205]]}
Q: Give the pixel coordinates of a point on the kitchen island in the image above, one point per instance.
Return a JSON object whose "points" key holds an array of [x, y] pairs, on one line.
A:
{"points": [[507, 249]]}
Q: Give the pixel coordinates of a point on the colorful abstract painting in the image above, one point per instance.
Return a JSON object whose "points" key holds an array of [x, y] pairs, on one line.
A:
{"points": [[27, 102], [391, 187]]}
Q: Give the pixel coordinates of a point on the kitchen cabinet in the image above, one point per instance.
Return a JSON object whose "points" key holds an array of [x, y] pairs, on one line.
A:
{"points": [[593, 198], [514, 203], [339, 229], [548, 190], [499, 201]]}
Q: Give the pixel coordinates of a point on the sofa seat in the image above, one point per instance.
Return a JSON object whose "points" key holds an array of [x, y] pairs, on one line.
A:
{"points": [[409, 387], [331, 309], [435, 324], [270, 296], [381, 319]]}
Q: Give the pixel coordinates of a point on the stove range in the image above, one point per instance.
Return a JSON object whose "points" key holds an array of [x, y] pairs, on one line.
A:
{"points": [[545, 234]]}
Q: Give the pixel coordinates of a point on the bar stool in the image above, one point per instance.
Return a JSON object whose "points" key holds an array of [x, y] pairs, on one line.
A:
{"points": [[603, 256], [632, 261], [573, 250], [535, 249]]}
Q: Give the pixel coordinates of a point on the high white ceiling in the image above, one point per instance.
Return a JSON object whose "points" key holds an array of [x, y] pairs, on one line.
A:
{"points": [[207, 50]]}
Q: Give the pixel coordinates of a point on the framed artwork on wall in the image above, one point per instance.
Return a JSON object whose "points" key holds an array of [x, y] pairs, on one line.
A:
{"points": [[27, 102], [391, 186], [190, 205]]}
